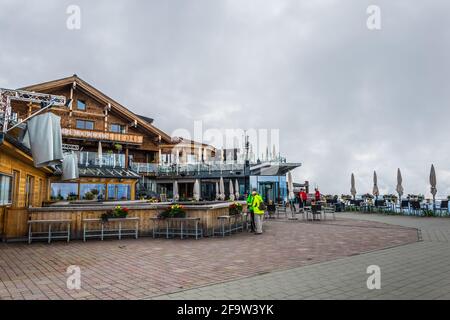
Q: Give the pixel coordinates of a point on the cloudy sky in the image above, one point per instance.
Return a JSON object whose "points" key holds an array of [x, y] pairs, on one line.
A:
{"points": [[345, 98]]}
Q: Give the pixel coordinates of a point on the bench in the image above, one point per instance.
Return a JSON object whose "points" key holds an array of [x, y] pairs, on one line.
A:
{"points": [[229, 224], [49, 234], [183, 227], [103, 232]]}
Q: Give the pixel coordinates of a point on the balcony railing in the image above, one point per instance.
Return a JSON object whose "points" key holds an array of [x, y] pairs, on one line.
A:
{"points": [[199, 168], [102, 135], [140, 167], [111, 160]]}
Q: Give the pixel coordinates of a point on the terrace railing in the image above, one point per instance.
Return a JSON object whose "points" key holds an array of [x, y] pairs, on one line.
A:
{"points": [[140, 167], [110, 160]]}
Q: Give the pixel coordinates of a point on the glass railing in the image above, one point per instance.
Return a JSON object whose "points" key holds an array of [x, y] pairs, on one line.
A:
{"points": [[110, 160], [202, 167], [140, 167]]}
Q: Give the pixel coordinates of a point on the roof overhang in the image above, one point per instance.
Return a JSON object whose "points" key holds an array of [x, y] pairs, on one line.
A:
{"points": [[273, 169]]}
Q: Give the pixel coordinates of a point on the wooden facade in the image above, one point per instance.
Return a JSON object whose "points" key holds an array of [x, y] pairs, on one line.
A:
{"points": [[29, 185]]}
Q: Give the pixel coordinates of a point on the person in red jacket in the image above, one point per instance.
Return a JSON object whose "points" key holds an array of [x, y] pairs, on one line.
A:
{"points": [[303, 198], [317, 195]]}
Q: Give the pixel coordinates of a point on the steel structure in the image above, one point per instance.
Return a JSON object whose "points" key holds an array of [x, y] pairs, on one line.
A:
{"points": [[8, 95]]}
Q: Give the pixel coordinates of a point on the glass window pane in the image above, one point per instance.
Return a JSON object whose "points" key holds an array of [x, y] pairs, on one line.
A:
{"points": [[89, 125], [64, 191], [92, 191], [5, 190], [81, 105], [119, 192], [112, 192], [80, 124]]}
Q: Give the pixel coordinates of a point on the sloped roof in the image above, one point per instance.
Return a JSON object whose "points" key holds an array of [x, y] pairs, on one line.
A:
{"points": [[45, 86], [103, 173]]}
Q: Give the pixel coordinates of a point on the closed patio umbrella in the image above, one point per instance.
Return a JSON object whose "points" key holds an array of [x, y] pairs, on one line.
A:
{"points": [[375, 191], [353, 188], [236, 189], [399, 185], [176, 196], [100, 154], [217, 191], [291, 187], [231, 190], [197, 190], [433, 186], [221, 189]]}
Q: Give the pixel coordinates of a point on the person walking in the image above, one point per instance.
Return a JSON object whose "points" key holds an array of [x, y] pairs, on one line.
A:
{"points": [[250, 211], [258, 210]]}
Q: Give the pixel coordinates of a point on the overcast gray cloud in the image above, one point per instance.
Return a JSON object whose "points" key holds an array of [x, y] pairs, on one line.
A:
{"points": [[345, 98]]}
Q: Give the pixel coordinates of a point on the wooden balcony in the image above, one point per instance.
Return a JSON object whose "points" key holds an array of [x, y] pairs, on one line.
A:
{"points": [[102, 136]]}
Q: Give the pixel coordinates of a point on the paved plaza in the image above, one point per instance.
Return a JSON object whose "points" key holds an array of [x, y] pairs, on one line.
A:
{"points": [[419, 270], [292, 260]]}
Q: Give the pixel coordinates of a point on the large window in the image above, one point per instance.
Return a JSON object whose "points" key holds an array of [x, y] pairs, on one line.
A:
{"points": [[64, 191], [117, 128], [5, 190], [119, 192], [85, 124], [81, 105], [92, 191]]}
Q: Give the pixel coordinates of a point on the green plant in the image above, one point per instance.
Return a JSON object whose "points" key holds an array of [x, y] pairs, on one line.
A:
{"points": [[89, 196], [429, 213], [117, 212], [175, 211], [235, 209], [72, 197]]}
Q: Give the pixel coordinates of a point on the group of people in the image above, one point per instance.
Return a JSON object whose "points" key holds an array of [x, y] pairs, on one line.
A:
{"points": [[257, 208]]}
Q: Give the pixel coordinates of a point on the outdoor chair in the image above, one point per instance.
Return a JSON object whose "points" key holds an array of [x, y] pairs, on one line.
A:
{"points": [[282, 209], [415, 207], [404, 205], [443, 208], [380, 205], [330, 209]]}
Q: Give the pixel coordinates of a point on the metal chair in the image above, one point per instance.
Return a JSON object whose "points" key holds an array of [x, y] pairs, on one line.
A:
{"points": [[282, 209], [443, 208]]}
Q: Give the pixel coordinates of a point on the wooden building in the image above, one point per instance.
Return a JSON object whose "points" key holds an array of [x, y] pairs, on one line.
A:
{"points": [[21, 186], [131, 146]]}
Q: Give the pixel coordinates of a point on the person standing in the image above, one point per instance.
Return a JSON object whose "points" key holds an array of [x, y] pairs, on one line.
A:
{"points": [[250, 211], [258, 210], [303, 198], [317, 195]]}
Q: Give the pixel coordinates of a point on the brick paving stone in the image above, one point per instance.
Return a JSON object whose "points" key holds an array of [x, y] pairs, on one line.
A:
{"points": [[146, 268], [414, 271]]}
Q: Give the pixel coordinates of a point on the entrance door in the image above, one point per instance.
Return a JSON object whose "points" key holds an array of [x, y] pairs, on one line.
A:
{"points": [[268, 191]]}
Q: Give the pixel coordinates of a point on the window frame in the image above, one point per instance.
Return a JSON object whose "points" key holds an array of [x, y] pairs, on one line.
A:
{"points": [[83, 102], [121, 128], [9, 201], [84, 124]]}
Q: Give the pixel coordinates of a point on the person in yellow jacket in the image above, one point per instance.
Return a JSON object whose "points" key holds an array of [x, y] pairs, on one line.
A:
{"points": [[258, 209]]}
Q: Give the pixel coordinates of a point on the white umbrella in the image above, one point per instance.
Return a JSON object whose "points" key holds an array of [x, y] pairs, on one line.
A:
{"points": [[217, 191], [197, 190], [176, 196], [290, 187], [236, 189], [399, 184], [376, 191], [433, 185], [353, 188], [231, 190], [100, 154], [221, 189]]}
